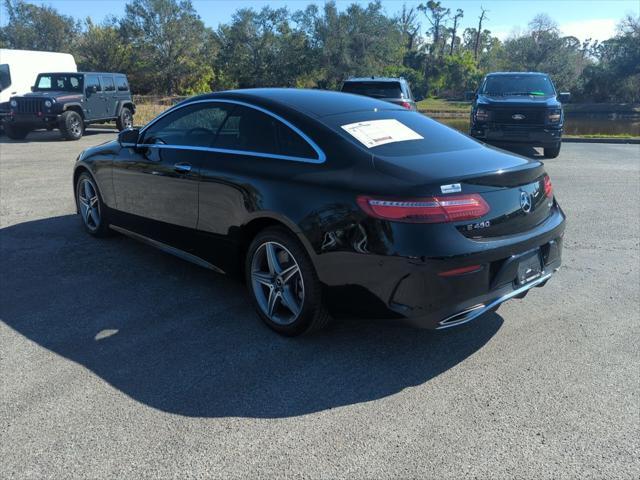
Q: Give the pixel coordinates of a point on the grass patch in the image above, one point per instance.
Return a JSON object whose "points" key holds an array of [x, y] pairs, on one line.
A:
{"points": [[439, 105], [605, 135]]}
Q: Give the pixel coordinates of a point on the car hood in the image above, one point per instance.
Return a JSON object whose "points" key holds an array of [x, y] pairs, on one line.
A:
{"points": [[56, 95], [481, 165], [518, 100]]}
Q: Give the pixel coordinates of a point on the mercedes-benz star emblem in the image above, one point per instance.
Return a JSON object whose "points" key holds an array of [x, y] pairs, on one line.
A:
{"points": [[525, 202], [518, 116]]}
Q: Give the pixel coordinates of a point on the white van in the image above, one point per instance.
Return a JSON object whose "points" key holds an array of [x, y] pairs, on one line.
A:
{"points": [[19, 69]]}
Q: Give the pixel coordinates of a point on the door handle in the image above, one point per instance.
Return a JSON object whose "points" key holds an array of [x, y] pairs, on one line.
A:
{"points": [[182, 167]]}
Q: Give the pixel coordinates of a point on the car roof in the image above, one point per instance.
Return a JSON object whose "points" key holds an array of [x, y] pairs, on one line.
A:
{"points": [[374, 79], [496, 74], [318, 103], [82, 73]]}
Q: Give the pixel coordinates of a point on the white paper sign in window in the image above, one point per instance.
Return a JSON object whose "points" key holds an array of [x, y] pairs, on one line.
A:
{"points": [[374, 133]]}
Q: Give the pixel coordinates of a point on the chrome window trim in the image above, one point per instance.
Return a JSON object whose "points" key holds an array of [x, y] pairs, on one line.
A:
{"points": [[321, 155]]}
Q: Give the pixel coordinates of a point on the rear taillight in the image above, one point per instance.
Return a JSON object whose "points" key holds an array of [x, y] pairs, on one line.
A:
{"points": [[443, 209], [406, 105], [548, 187]]}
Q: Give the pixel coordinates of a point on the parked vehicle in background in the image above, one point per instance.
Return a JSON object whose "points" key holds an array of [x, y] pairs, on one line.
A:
{"points": [[69, 102], [519, 108], [19, 68], [329, 202], [394, 90]]}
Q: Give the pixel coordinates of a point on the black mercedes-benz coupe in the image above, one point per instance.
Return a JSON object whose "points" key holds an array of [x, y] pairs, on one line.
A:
{"points": [[329, 202]]}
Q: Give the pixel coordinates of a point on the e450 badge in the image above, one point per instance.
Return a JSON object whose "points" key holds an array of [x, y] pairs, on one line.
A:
{"points": [[478, 226]]}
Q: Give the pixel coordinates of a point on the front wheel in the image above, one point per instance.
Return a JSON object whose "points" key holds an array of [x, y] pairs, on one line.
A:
{"points": [[125, 119], [552, 152], [91, 207], [71, 125], [15, 133], [283, 284]]}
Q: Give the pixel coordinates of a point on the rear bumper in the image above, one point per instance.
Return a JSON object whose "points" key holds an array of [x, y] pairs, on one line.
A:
{"points": [[411, 289], [513, 134]]}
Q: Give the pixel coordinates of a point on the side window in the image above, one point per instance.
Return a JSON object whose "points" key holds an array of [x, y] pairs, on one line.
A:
{"points": [[92, 81], [122, 84], [194, 125], [109, 86], [251, 130]]}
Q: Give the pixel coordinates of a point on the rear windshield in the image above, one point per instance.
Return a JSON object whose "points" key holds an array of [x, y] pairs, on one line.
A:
{"points": [[374, 89], [435, 136], [535, 85], [59, 81]]}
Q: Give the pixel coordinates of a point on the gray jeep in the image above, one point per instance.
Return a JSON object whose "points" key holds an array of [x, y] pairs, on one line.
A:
{"points": [[70, 102]]}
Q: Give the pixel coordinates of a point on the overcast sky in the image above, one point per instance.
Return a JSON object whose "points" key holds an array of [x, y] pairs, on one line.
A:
{"points": [[581, 18]]}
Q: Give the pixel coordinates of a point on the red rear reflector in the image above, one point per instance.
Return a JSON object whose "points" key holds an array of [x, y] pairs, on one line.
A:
{"points": [[548, 187], [460, 271], [406, 105], [443, 209]]}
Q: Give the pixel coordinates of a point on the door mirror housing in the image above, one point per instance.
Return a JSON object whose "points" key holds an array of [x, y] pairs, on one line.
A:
{"points": [[92, 89], [33, 88], [129, 137], [564, 97], [470, 96]]}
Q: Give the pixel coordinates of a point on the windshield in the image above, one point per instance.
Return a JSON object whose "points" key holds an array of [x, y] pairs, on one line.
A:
{"points": [[59, 81], [5, 76], [374, 89], [536, 85]]}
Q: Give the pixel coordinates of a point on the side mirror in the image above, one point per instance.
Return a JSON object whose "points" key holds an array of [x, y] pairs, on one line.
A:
{"points": [[92, 89], [33, 88], [470, 96], [129, 137], [564, 97]]}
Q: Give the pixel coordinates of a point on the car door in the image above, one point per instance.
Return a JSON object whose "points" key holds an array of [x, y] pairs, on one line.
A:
{"points": [[110, 95], [94, 97], [156, 182]]}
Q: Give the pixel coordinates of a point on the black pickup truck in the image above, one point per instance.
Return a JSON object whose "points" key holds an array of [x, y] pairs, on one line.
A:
{"points": [[519, 108]]}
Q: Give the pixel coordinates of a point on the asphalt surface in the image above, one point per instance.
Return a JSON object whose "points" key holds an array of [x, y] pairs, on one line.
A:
{"points": [[120, 361]]}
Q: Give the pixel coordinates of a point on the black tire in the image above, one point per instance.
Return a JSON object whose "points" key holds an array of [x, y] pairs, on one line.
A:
{"points": [[552, 152], [71, 125], [312, 314], [98, 226], [125, 119], [15, 133]]}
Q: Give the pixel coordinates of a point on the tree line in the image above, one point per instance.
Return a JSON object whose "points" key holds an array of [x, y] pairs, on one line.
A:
{"points": [[165, 48]]}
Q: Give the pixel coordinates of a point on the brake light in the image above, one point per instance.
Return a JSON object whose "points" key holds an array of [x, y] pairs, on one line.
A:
{"points": [[440, 209], [460, 271], [548, 187], [406, 105]]}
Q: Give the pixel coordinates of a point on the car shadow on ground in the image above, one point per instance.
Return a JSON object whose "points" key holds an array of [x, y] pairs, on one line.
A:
{"points": [[184, 340], [54, 135]]}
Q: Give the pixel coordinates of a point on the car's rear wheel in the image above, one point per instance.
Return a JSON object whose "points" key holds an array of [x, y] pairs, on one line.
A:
{"points": [[15, 133], [283, 284], [552, 152], [71, 125], [91, 207], [125, 119]]}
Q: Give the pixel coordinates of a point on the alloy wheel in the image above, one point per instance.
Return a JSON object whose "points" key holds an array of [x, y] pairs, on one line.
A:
{"points": [[277, 283], [75, 127], [127, 120], [89, 204]]}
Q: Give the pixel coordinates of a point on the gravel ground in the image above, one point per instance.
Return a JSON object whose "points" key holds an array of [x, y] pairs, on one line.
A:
{"points": [[119, 361]]}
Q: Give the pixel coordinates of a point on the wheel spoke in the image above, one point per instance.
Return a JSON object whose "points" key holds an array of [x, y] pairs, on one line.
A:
{"points": [[88, 215], [93, 202], [263, 278], [272, 259], [288, 299], [87, 190], [288, 273], [274, 296]]}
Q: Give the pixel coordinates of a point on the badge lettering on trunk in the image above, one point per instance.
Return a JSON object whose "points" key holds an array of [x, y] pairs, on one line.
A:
{"points": [[453, 188]]}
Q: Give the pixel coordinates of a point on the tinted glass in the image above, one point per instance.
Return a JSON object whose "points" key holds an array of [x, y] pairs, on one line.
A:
{"points": [[5, 76], [59, 81], [122, 84], [536, 85], [251, 130], [374, 89], [109, 86], [436, 137], [92, 81], [193, 125]]}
